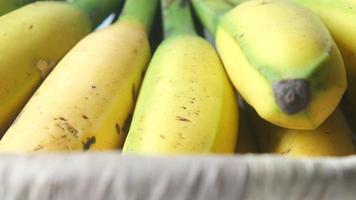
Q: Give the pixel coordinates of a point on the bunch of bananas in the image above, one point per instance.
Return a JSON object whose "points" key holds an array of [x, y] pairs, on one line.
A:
{"points": [[285, 58]]}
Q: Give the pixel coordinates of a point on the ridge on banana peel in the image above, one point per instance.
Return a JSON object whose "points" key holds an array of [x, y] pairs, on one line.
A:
{"points": [[339, 16], [283, 61]]}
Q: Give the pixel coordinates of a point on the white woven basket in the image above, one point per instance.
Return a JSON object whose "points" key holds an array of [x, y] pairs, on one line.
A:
{"points": [[102, 176]]}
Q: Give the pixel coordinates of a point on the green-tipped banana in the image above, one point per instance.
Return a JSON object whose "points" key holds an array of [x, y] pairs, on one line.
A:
{"points": [[33, 39], [186, 103], [281, 58], [340, 18], [332, 138], [87, 101]]}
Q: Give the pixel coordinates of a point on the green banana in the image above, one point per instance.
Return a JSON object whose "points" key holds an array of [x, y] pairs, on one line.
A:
{"points": [[281, 58], [33, 39], [186, 103], [340, 18]]}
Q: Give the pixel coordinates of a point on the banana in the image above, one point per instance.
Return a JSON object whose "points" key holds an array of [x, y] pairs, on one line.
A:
{"points": [[33, 39], [332, 138], [85, 103], [186, 104], [282, 59], [340, 16]]}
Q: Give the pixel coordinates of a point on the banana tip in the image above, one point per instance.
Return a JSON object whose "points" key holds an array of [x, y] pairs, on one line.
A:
{"points": [[292, 95]]}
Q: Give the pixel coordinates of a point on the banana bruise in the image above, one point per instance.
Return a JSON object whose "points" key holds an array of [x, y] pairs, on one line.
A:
{"points": [[332, 138], [283, 61], [186, 103], [339, 16], [85, 103], [33, 39]]}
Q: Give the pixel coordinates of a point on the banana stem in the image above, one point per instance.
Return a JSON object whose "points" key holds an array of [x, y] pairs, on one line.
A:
{"points": [[209, 11], [177, 18], [142, 11], [97, 10]]}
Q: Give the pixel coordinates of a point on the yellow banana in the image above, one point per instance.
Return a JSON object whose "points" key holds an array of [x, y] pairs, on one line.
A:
{"points": [[186, 103], [85, 103], [340, 16], [282, 60], [332, 138], [33, 39]]}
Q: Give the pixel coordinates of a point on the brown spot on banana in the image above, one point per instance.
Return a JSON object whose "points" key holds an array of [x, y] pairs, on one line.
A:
{"points": [[45, 67], [292, 95], [62, 118], [127, 123], [179, 118], [64, 125], [38, 148], [88, 143]]}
